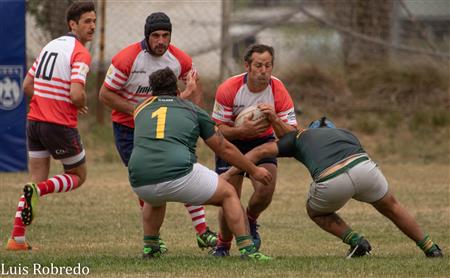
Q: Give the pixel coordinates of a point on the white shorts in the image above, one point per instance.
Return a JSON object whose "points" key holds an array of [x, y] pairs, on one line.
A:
{"points": [[195, 188], [363, 182]]}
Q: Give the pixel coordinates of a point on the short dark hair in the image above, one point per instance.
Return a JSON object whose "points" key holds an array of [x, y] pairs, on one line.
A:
{"points": [[75, 11], [163, 82], [258, 48]]}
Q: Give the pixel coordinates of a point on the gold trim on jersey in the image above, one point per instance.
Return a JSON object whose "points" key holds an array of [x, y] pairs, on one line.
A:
{"points": [[141, 106], [299, 132]]}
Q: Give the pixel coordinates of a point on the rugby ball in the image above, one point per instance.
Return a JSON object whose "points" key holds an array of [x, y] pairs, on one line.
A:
{"points": [[252, 111]]}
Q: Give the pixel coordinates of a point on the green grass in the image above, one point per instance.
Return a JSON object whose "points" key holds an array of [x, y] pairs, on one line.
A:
{"points": [[99, 226]]}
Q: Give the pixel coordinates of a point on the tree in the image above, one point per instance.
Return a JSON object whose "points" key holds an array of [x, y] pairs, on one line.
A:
{"points": [[370, 18], [50, 15]]}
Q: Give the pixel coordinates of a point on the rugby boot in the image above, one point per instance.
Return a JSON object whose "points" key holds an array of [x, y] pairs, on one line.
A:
{"points": [[251, 253], [220, 251], [434, 252], [362, 248], [151, 252], [207, 240], [31, 198]]}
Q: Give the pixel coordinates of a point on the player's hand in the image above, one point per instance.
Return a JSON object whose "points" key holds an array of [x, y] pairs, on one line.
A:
{"points": [[269, 111], [262, 175], [191, 81], [83, 110], [191, 85], [252, 128]]}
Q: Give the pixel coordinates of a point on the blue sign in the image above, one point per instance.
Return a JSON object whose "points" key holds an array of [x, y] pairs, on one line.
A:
{"points": [[13, 148]]}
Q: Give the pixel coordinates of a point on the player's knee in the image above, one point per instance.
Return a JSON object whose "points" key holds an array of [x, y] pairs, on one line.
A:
{"points": [[314, 215], [82, 178], [80, 172], [223, 192], [230, 193]]}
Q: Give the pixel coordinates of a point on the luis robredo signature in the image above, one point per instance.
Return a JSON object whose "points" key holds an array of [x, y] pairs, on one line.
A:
{"points": [[40, 269]]}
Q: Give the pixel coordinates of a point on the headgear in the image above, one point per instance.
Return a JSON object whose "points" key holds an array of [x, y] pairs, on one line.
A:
{"points": [[323, 122], [157, 21]]}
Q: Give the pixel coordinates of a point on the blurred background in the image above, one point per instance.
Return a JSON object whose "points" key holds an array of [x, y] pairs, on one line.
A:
{"points": [[377, 67]]}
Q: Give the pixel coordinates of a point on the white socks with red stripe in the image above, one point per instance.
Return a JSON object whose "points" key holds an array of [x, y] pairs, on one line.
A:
{"points": [[198, 217]]}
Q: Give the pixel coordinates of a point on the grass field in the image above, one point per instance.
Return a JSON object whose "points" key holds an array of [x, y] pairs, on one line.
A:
{"points": [[99, 227]]}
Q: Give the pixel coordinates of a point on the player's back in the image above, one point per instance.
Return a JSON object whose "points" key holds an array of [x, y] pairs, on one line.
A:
{"points": [[61, 62], [165, 138], [319, 148]]}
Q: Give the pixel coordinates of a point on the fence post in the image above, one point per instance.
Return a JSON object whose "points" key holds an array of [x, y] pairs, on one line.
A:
{"points": [[101, 63], [225, 39]]}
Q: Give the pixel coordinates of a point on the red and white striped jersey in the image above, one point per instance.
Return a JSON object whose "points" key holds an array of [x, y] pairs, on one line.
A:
{"points": [[128, 75], [61, 62], [233, 96]]}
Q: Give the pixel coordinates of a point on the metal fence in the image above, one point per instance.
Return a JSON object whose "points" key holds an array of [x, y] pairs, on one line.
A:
{"points": [[329, 35], [325, 32]]}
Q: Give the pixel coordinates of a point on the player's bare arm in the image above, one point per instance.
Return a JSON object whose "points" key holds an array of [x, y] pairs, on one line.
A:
{"points": [[78, 95], [114, 101], [231, 154], [265, 150], [281, 128], [28, 86]]}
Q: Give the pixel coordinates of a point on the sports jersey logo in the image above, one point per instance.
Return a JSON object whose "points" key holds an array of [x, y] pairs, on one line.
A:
{"points": [[84, 69], [110, 70], [60, 151], [138, 71], [238, 106], [10, 86], [291, 116], [143, 90]]}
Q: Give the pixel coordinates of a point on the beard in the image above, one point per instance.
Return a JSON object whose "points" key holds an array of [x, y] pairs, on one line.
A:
{"points": [[159, 50]]}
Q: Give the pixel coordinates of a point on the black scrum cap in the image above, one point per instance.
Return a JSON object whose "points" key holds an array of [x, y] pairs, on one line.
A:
{"points": [[157, 21]]}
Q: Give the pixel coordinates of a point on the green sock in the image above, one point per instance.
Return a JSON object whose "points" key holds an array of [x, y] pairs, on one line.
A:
{"points": [[426, 244], [150, 241], [245, 243], [351, 237]]}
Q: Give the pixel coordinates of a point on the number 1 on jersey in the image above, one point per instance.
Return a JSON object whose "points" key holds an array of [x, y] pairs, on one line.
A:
{"points": [[160, 115]]}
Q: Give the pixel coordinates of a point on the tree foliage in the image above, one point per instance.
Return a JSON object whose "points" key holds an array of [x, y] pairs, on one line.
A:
{"points": [[50, 15], [370, 18]]}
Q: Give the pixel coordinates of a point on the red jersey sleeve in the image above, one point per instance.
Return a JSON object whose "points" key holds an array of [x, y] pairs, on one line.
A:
{"points": [[184, 59], [80, 61], [120, 68], [224, 100], [32, 70]]}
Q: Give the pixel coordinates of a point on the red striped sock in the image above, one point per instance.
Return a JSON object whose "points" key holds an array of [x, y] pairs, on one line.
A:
{"points": [[58, 183], [198, 218], [224, 242], [18, 232]]}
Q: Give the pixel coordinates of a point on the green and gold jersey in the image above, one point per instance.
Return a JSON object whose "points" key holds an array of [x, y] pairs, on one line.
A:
{"points": [[165, 137], [319, 148]]}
